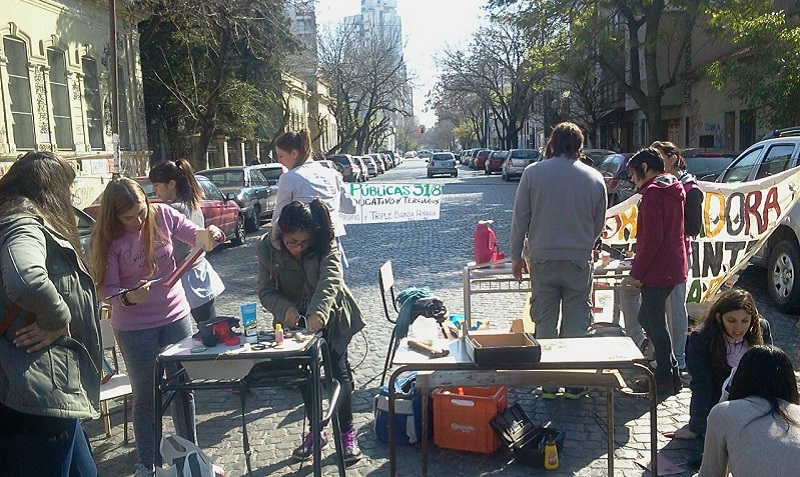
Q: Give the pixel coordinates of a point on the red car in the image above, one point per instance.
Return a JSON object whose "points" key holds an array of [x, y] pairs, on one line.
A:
{"points": [[494, 163], [480, 158], [217, 209]]}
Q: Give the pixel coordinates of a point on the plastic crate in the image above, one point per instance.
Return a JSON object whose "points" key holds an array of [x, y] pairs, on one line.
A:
{"points": [[461, 417], [526, 440]]}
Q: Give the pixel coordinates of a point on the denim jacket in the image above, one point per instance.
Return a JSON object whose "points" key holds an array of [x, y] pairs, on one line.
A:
{"points": [[41, 272]]}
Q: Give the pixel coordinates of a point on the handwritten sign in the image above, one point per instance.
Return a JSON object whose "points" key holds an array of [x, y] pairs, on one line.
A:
{"points": [[376, 203], [737, 220]]}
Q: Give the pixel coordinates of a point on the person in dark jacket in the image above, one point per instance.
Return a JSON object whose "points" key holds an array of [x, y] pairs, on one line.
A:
{"points": [[731, 327], [50, 352], [660, 261], [677, 316], [300, 275]]}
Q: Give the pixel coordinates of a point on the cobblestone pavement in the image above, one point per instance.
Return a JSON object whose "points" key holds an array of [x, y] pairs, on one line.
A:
{"points": [[432, 254]]}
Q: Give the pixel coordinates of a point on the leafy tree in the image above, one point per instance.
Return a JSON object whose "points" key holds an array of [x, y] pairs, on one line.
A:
{"points": [[213, 68], [763, 72]]}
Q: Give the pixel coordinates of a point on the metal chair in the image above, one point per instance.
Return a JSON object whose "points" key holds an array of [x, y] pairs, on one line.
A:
{"points": [[114, 384], [386, 284]]}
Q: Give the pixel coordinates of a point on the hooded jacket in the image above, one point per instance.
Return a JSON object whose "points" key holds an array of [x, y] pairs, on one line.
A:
{"points": [[313, 284], [660, 251], [41, 272]]}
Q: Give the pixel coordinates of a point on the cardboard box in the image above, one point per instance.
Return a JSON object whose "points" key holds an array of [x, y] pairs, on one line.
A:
{"points": [[503, 349], [461, 417], [523, 325]]}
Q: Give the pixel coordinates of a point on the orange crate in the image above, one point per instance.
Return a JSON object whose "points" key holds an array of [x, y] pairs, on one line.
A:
{"points": [[461, 421]]}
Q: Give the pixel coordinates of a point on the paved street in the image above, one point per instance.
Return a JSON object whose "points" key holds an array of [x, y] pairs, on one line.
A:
{"points": [[429, 254]]}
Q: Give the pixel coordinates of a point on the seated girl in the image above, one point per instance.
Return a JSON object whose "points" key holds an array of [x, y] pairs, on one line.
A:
{"points": [[756, 432], [732, 326], [300, 274]]}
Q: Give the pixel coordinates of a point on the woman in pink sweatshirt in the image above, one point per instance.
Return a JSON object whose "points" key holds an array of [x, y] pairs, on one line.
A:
{"points": [[132, 244]]}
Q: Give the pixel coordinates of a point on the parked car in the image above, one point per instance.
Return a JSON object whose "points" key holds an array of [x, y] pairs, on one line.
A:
{"points": [[494, 163], [781, 253], [707, 164], [217, 209], [272, 171], [252, 191], [480, 159], [464, 157], [517, 161], [410, 155], [330, 165], [392, 158], [442, 163], [379, 163], [424, 154], [611, 167], [363, 167], [350, 170], [597, 155], [372, 166]]}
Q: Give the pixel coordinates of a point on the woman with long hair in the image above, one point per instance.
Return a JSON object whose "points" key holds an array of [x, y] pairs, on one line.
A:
{"points": [[175, 184], [757, 431], [306, 180], [132, 244], [50, 352], [731, 327], [300, 275]]}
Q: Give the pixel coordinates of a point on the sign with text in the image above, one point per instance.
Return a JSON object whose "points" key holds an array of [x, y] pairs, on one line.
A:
{"points": [[376, 203], [737, 220]]}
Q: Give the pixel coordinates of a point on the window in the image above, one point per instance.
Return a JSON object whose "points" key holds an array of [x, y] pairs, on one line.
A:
{"points": [[19, 90], [256, 179], [210, 191], [740, 170], [91, 95], [122, 97], [777, 160], [59, 94]]}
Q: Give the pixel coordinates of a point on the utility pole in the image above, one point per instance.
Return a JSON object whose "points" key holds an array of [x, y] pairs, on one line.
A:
{"points": [[112, 66]]}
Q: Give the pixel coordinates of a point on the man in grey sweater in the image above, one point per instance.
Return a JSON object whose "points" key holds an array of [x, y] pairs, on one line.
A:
{"points": [[561, 206]]}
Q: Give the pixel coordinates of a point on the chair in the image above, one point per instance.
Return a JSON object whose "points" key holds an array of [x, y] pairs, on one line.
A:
{"points": [[114, 384], [386, 283]]}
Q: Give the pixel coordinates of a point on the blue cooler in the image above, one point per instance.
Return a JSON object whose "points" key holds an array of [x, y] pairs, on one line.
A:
{"points": [[408, 412]]}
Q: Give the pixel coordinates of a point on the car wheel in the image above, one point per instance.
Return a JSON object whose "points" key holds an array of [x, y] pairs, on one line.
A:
{"points": [[455, 174], [504, 176], [783, 281], [254, 221], [239, 237]]}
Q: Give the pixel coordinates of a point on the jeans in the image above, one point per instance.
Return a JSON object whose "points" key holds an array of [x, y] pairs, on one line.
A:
{"points": [[43, 446], [653, 318], [340, 369], [678, 320], [563, 286], [140, 349], [630, 302]]}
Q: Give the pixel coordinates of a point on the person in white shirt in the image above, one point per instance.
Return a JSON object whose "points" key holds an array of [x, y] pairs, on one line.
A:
{"points": [[307, 180]]}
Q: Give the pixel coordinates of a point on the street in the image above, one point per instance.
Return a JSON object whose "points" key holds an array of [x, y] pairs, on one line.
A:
{"points": [[432, 254]]}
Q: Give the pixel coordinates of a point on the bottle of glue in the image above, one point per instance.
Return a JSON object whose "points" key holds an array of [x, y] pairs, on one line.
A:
{"points": [[550, 454], [278, 334]]}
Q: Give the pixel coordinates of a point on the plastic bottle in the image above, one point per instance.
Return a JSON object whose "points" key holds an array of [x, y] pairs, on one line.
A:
{"points": [[550, 454], [278, 334], [485, 241]]}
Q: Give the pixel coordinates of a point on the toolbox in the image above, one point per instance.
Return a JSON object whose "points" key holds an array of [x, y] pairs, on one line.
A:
{"points": [[461, 417], [525, 440]]}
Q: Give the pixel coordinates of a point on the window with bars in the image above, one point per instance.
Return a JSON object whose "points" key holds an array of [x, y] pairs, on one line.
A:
{"points": [[91, 95], [19, 89], [59, 94]]}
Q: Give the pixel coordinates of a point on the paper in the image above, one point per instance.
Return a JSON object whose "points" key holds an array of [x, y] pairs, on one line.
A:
{"points": [[665, 467]]}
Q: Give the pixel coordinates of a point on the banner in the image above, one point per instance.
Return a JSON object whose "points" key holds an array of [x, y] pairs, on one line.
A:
{"points": [[738, 218], [376, 203]]}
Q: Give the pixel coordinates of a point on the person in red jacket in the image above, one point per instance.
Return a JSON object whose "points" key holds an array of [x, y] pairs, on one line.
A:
{"points": [[660, 261]]}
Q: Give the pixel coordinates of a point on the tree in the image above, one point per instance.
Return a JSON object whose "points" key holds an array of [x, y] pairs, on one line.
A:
{"points": [[364, 66], [760, 72], [212, 68], [649, 36]]}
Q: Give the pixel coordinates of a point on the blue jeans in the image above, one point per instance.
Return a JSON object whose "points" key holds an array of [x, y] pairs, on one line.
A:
{"points": [[678, 321], [561, 287], [44, 446], [140, 350]]}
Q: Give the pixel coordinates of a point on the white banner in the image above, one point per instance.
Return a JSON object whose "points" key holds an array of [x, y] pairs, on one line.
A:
{"points": [[737, 219], [376, 203]]}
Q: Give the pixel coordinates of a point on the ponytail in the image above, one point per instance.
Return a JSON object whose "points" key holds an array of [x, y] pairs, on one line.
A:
{"points": [[299, 141], [180, 171]]}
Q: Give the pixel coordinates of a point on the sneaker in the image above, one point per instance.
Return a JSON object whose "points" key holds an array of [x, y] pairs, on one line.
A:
{"points": [[142, 471], [352, 453], [575, 393], [305, 450]]}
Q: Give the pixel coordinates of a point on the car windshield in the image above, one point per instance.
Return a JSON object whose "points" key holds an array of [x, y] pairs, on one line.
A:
{"points": [[707, 168], [610, 164], [226, 178], [524, 154], [148, 188]]}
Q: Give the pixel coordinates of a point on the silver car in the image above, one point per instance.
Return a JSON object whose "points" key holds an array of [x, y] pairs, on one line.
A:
{"points": [[442, 163], [516, 162], [254, 193]]}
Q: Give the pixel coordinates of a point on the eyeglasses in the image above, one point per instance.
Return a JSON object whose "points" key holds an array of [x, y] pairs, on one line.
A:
{"points": [[292, 243]]}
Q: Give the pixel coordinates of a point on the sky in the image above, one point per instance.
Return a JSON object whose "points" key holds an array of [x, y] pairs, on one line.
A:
{"points": [[429, 27]]}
